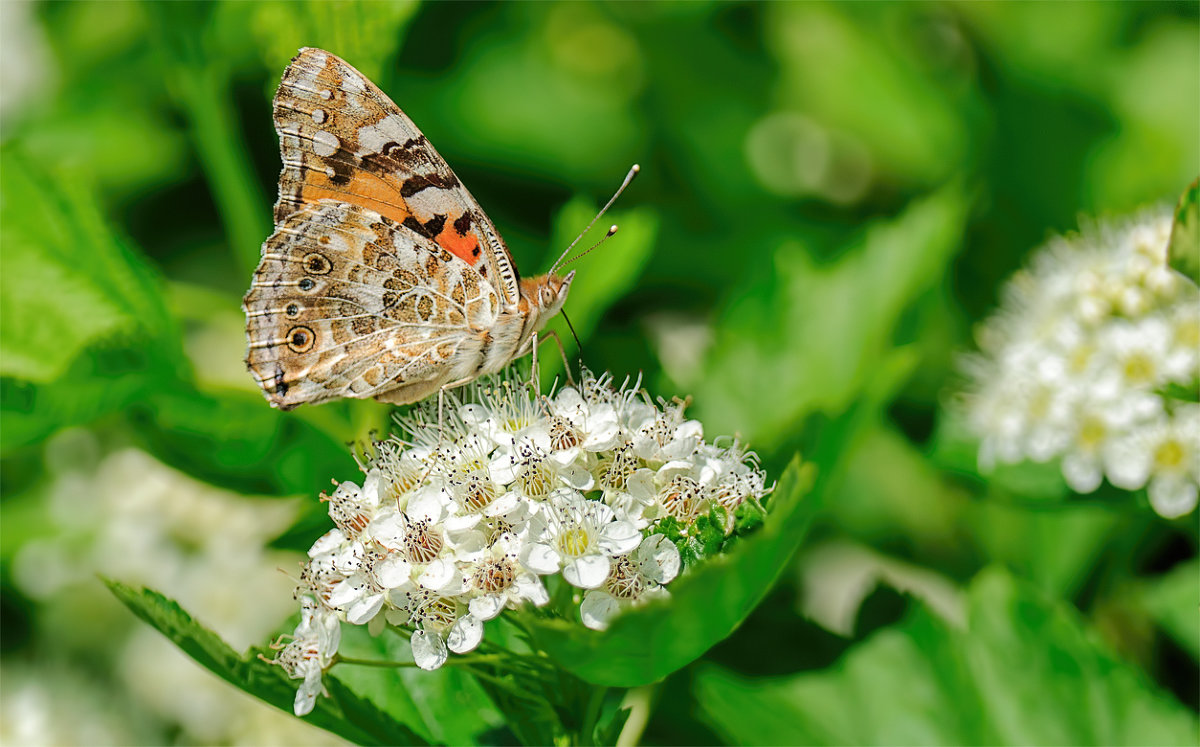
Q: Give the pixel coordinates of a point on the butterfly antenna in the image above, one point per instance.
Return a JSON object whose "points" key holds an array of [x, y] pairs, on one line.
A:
{"points": [[628, 178], [612, 230]]}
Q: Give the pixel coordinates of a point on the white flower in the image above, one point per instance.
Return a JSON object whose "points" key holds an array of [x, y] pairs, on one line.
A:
{"points": [[578, 537], [1166, 454], [1080, 361], [498, 580], [634, 578], [443, 624], [309, 652], [461, 515]]}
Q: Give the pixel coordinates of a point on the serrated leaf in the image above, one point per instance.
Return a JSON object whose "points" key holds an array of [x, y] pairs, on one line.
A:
{"points": [[1025, 671], [68, 280], [1183, 252], [646, 644], [346, 714]]}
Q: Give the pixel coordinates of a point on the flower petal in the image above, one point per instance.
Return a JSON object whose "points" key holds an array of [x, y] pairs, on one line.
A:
{"points": [[541, 559], [428, 650], [619, 537], [392, 571], [465, 635], [587, 572], [487, 606], [597, 609]]}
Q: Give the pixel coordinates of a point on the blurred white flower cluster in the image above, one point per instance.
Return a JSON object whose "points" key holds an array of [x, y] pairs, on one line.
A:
{"points": [[483, 505], [1094, 358], [123, 514]]}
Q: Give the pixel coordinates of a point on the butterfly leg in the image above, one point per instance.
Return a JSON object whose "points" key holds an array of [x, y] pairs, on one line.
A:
{"points": [[535, 342]]}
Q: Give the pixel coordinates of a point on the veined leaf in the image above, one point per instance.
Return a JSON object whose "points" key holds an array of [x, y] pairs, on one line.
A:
{"points": [[1025, 671], [68, 281], [345, 714]]}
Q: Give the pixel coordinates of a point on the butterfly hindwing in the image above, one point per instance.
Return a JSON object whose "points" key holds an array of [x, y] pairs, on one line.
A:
{"points": [[341, 138], [348, 303]]}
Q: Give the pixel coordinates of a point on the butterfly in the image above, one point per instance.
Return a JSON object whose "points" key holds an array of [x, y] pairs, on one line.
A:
{"points": [[383, 278]]}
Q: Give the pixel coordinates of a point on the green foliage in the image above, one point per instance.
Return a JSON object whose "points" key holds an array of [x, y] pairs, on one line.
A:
{"points": [[789, 257], [1024, 671], [1184, 250], [1173, 600], [648, 643], [815, 335], [345, 714]]}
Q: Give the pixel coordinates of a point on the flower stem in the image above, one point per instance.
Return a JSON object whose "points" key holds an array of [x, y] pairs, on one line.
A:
{"points": [[640, 702], [339, 659]]}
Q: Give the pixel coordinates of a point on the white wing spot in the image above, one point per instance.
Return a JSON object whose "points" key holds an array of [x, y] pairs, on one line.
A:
{"points": [[391, 128], [325, 93], [325, 143], [318, 116]]}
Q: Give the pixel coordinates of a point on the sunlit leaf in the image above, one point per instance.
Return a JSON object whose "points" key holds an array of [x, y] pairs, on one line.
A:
{"points": [[1184, 249], [1025, 671], [367, 35], [809, 340], [68, 280], [345, 714]]}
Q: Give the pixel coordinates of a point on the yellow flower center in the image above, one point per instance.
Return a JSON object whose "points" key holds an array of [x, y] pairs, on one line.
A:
{"points": [[1092, 433], [574, 542], [1169, 454], [1139, 368]]}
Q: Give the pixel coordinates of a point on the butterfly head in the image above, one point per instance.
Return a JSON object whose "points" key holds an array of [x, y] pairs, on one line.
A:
{"points": [[546, 294]]}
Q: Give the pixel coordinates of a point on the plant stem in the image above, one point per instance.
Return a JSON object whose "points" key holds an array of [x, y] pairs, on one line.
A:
{"points": [[373, 662], [640, 702], [591, 715]]}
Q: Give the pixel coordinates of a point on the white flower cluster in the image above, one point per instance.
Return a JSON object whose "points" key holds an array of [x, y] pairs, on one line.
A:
{"points": [[1093, 359], [494, 496]]}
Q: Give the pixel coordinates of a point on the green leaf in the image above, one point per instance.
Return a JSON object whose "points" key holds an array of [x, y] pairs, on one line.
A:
{"points": [[444, 706], [345, 714], [1173, 600], [1183, 252], [367, 35], [235, 440], [706, 604], [817, 333], [1025, 671], [68, 280]]}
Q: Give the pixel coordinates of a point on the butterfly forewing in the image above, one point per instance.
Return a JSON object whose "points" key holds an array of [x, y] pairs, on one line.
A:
{"points": [[383, 277], [342, 138], [347, 303]]}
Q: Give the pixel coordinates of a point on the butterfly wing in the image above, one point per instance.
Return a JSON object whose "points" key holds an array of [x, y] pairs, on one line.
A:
{"points": [[348, 303], [342, 138]]}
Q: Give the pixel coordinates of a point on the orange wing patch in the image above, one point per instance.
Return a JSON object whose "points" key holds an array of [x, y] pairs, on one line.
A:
{"points": [[343, 139]]}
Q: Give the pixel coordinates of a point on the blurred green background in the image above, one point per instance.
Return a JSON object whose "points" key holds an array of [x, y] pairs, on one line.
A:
{"points": [[828, 192]]}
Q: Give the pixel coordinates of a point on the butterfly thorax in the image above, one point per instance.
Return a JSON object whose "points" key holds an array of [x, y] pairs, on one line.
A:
{"points": [[541, 298]]}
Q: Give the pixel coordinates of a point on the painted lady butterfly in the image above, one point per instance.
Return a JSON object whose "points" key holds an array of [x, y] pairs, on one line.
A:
{"points": [[383, 278]]}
